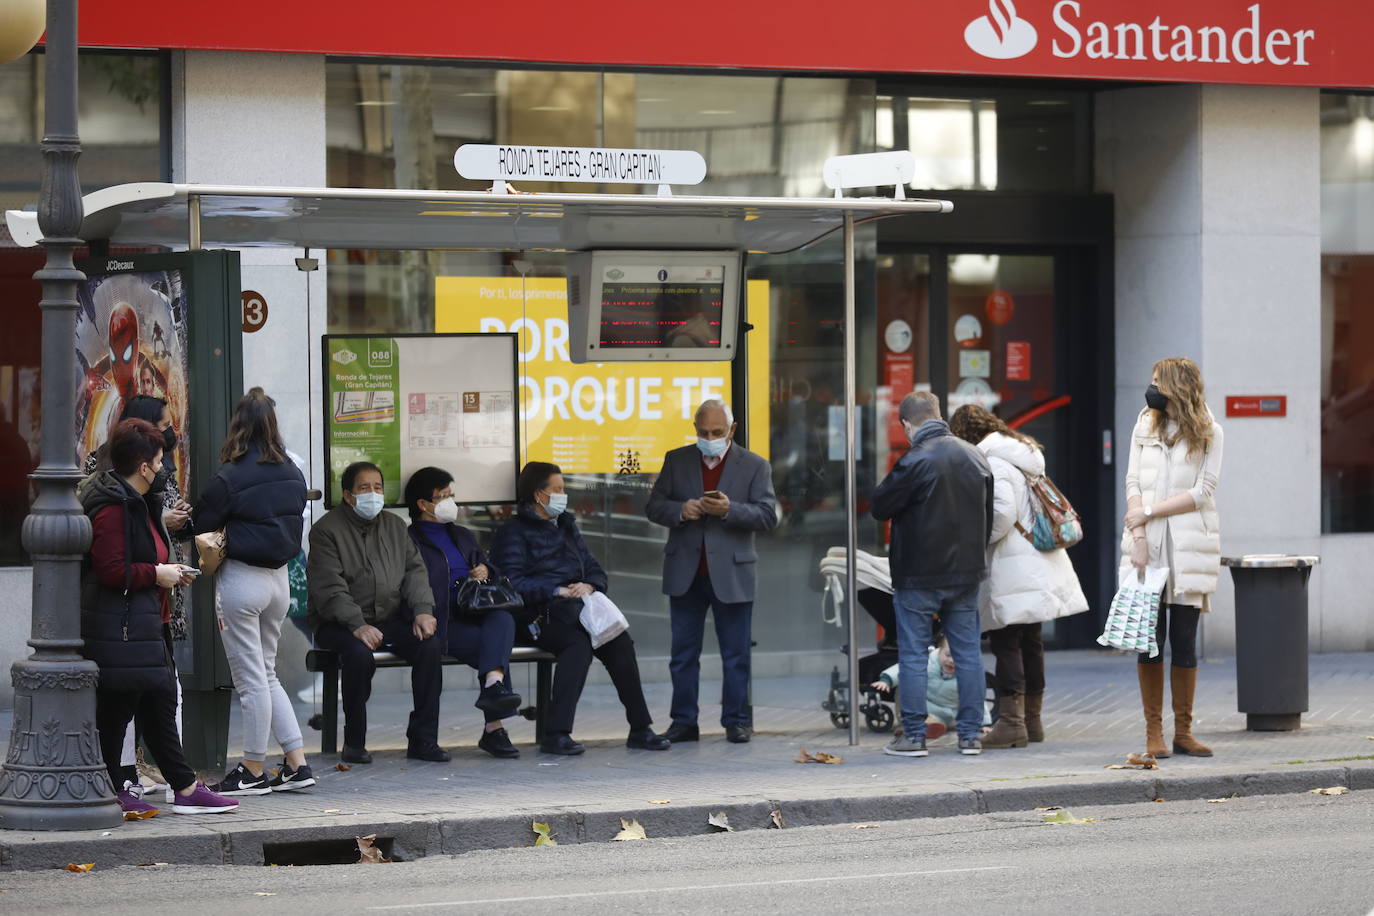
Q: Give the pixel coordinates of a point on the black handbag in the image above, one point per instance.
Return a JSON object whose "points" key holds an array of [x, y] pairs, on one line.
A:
{"points": [[477, 598]]}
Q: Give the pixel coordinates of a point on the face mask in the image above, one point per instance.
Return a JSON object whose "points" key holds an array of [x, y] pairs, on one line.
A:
{"points": [[446, 510], [169, 439], [713, 448], [160, 480], [556, 504], [368, 505], [1154, 399]]}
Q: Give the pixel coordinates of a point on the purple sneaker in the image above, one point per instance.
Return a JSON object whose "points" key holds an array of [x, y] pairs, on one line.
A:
{"points": [[203, 801], [134, 808]]}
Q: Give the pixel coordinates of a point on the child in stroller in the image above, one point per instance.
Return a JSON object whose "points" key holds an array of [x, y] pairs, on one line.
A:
{"points": [[874, 592], [942, 692]]}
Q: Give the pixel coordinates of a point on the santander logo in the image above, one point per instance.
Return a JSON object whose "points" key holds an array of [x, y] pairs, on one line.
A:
{"points": [[1001, 34]]}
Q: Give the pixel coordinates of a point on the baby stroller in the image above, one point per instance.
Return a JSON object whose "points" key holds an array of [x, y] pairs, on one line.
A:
{"points": [[874, 593], [875, 596]]}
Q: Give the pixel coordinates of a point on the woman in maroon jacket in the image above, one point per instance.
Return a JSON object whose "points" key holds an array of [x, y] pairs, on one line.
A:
{"points": [[125, 615]]}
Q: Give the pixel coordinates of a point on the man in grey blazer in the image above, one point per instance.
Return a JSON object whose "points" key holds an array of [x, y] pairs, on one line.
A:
{"points": [[712, 497]]}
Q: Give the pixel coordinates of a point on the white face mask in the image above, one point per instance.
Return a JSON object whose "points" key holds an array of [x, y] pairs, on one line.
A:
{"points": [[368, 505], [556, 504], [713, 448], [446, 510]]}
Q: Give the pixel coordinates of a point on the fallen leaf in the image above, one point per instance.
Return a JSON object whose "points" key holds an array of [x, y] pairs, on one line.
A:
{"points": [[865, 827], [776, 817], [721, 822], [1065, 817], [630, 830], [543, 835], [1135, 762], [138, 816], [80, 869], [343, 767], [1159, 799], [368, 853], [1051, 808], [660, 801], [1333, 790], [818, 757]]}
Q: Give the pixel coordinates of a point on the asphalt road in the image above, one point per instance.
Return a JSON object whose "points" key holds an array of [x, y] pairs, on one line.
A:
{"points": [[1275, 854]]}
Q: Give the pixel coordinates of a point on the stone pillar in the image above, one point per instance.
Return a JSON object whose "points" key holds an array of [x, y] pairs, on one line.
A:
{"points": [[1218, 258]]}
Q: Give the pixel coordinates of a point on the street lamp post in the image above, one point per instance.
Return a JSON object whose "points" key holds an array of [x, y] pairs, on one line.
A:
{"points": [[53, 777]]}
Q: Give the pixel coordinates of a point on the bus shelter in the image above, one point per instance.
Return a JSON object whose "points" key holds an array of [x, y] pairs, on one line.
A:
{"points": [[197, 217]]}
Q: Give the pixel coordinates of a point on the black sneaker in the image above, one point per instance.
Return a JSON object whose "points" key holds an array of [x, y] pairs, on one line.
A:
{"points": [[289, 780], [240, 781], [497, 744], [497, 698]]}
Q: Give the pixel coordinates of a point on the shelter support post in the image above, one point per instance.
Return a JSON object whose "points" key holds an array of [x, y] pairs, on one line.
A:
{"points": [[850, 476]]}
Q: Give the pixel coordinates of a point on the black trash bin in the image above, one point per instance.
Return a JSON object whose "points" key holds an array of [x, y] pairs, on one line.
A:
{"points": [[1271, 638]]}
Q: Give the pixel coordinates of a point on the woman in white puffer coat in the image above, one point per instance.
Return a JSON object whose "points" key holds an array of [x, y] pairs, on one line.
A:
{"points": [[1025, 586], [1171, 521]]}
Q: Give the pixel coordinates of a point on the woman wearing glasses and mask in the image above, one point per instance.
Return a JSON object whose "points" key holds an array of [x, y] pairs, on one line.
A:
{"points": [[484, 641], [542, 552]]}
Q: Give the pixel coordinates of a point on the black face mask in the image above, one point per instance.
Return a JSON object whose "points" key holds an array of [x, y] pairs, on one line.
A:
{"points": [[169, 439], [160, 480], [1154, 399]]}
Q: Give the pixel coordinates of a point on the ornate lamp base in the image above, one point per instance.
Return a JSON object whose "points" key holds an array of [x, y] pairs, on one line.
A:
{"points": [[53, 777]]}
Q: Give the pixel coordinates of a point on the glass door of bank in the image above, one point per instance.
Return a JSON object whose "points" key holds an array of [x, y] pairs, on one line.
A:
{"points": [[998, 329]]}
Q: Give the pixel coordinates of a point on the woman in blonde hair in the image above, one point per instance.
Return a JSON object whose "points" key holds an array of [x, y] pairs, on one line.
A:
{"points": [[1025, 586], [1171, 521]]}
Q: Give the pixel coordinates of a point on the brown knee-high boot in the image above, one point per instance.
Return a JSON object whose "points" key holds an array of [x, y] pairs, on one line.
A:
{"points": [[1152, 701], [1035, 731], [1182, 686]]}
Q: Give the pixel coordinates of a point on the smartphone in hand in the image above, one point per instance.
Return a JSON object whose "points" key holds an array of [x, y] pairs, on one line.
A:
{"points": [[190, 571], [713, 494]]}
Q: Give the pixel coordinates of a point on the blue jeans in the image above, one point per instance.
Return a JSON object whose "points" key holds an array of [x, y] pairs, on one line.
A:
{"points": [[958, 609], [733, 633]]}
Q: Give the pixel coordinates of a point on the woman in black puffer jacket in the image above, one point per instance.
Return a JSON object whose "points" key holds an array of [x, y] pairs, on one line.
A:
{"points": [[125, 614], [257, 497], [543, 554]]}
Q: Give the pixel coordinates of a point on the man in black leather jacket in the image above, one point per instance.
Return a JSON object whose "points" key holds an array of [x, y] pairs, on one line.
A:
{"points": [[939, 499]]}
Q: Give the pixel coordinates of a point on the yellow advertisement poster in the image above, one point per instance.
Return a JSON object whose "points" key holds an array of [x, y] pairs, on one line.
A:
{"points": [[599, 418]]}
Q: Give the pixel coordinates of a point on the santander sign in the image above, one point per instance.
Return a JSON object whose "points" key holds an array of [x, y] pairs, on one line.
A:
{"points": [[1002, 34]]}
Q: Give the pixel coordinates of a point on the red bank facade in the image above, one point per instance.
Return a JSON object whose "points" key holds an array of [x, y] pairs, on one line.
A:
{"points": [[1131, 181]]}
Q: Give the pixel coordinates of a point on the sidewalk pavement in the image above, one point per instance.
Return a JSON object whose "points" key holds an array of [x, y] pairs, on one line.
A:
{"points": [[1092, 719]]}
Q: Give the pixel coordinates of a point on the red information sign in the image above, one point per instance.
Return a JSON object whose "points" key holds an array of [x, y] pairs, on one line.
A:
{"points": [[1018, 360], [1267, 405], [899, 375]]}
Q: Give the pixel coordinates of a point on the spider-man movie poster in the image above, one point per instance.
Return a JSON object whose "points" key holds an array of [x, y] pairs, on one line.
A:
{"points": [[131, 340]]}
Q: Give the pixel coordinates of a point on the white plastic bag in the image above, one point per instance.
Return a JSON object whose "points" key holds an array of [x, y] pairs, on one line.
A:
{"points": [[1134, 613], [601, 619]]}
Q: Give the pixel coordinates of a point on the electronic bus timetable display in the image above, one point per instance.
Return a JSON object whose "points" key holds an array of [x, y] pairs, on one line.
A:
{"points": [[634, 306]]}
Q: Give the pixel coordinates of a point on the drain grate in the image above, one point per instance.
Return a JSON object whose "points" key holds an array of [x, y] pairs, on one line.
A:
{"points": [[343, 851]]}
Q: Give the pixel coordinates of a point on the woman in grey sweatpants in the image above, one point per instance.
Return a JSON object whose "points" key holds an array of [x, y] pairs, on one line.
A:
{"points": [[257, 497]]}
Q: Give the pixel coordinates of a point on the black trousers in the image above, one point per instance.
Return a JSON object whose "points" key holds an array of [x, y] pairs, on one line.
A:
{"points": [[357, 667], [484, 644], [1179, 622], [1020, 655], [155, 713], [561, 634]]}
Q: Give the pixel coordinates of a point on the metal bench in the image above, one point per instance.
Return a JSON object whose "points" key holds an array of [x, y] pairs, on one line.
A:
{"points": [[327, 663]]}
